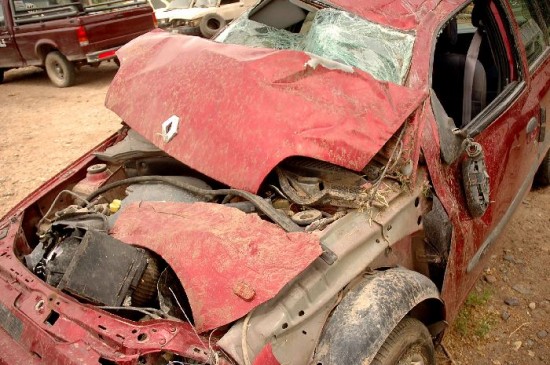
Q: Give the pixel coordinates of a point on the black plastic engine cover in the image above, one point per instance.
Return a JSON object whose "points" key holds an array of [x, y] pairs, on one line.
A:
{"points": [[103, 270]]}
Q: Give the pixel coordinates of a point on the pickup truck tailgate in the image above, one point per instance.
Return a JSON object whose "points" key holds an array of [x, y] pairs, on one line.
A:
{"points": [[113, 29]]}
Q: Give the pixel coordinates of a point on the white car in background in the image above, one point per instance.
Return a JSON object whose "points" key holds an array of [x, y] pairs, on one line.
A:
{"points": [[198, 17]]}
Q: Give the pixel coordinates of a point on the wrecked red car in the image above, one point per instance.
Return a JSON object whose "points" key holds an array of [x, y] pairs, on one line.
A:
{"points": [[320, 184]]}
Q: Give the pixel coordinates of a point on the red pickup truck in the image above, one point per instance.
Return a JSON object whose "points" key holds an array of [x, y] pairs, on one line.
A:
{"points": [[63, 35]]}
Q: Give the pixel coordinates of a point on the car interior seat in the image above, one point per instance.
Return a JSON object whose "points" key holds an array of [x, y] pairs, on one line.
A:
{"points": [[459, 80]]}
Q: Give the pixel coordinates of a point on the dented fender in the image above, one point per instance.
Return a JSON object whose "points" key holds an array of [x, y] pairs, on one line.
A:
{"points": [[369, 312]]}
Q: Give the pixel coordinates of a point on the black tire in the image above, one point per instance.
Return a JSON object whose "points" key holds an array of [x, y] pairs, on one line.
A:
{"points": [[60, 71], [408, 343], [211, 24], [543, 173]]}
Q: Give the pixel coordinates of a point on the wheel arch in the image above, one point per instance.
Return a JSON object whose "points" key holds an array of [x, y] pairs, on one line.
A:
{"points": [[43, 47], [370, 310]]}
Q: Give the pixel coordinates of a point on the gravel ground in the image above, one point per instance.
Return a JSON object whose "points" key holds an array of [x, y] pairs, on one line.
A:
{"points": [[506, 320]]}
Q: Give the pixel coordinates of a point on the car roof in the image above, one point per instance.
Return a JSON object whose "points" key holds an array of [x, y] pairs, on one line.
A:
{"points": [[400, 14]]}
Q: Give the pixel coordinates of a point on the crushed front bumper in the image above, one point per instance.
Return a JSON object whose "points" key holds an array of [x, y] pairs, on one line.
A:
{"points": [[41, 325]]}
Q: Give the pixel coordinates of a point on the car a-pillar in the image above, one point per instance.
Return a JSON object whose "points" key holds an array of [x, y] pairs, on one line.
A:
{"points": [[388, 317]]}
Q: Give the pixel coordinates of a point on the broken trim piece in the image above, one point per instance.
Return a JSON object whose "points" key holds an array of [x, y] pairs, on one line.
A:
{"points": [[327, 63]]}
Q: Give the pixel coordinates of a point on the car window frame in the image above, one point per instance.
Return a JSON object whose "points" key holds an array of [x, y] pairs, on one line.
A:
{"points": [[539, 18], [515, 88], [507, 96]]}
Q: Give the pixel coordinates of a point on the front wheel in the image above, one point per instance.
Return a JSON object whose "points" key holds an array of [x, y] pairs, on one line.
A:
{"points": [[60, 70], [409, 343], [543, 173]]}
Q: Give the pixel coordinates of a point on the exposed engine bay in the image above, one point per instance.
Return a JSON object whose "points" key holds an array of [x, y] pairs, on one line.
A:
{"points": [[81, 248]]}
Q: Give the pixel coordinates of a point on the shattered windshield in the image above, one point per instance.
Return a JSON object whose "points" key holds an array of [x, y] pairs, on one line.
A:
{"points": [[336, 35]]}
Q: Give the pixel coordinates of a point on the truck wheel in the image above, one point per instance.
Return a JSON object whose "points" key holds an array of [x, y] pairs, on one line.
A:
{"points": [[211, 24], [543, 173], [409, 343], [60, 71]]}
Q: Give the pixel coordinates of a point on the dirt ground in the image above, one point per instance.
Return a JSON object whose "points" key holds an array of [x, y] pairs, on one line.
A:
{"points": [[44, 128]]}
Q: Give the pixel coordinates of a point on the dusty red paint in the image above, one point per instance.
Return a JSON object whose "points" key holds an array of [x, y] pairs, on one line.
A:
{"points": [[510, 153], [215, 251], [82, 334], [249, 109], [78, 326], [266, 357], [405, 15]]}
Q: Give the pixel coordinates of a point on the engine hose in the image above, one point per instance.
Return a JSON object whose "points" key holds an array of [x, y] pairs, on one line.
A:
{"points": [[284, 181], [282, 220]]}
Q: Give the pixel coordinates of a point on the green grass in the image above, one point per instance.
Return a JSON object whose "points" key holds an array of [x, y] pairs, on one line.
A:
{"points": [[472, 319], [478, 299]]}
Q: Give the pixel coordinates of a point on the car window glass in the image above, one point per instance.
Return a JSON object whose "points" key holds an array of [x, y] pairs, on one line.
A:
{"points": [[531, 31], [471, 66], [34, 11]]}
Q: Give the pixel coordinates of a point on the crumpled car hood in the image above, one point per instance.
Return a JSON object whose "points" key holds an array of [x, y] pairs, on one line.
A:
{"points": [[228, 262], [244, 110]]}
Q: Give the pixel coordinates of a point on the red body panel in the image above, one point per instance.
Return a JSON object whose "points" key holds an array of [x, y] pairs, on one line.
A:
{"points": [[511, 157], [255, 107], [405, 15], [229, 262], [249, 109], [82, 334], [266, 357]]}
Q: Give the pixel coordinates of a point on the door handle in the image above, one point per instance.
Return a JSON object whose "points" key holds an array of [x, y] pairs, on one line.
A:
{"points": [[532, 125]]}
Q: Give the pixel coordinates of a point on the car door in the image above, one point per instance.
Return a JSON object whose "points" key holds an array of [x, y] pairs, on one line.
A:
{"points": [[506, 130], [530, 15], [9, 53]]}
